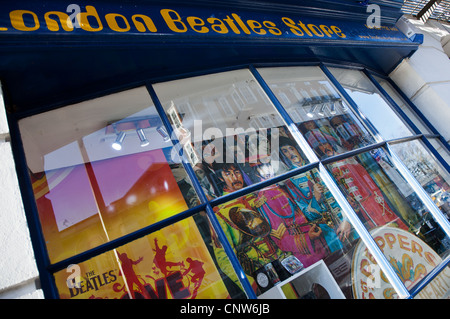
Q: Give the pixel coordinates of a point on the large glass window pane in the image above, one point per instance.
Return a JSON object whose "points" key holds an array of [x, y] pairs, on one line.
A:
{"points": [[292, 239], [371, 103], [226, 123], [403, 105], [100, 169], [391, 210], [176, 262], [320, 113], [428, 172]]}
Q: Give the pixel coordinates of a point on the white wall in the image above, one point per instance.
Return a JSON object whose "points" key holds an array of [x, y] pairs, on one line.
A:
{"points": [[425, 77], [18, 271]]}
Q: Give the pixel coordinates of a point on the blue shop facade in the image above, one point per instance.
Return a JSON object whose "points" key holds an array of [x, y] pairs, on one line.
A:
{"points": [[217, 150]]}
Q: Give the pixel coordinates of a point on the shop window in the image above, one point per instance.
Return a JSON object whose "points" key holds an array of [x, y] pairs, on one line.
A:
{"points": [[87, 190], [105, 168], [176, 262], [427, 171], [227, 124], [385, 202], [321, 114], [403, 105], [291, 235], [371, 103]]}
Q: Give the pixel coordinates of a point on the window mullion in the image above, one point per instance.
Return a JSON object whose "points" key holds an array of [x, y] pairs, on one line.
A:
{"points": [[209, 211], [404, 139]]}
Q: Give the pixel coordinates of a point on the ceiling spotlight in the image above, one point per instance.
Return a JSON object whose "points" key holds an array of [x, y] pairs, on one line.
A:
{"points": [[162, 131], [117, 145], [142, 137], [312, 110]]}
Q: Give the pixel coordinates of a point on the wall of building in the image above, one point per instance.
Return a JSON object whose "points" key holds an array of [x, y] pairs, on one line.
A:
{"points": [[18, 271], [425, 76]]}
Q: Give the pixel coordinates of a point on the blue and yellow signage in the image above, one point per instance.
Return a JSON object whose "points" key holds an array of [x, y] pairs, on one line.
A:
{"points": [[152, 22]]}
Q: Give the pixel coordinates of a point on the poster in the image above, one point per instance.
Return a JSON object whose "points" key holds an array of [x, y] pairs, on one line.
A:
{"points": [[410, 257], [171, 263], [241, 153], [299, 218], [83, 206], [373, 186]]}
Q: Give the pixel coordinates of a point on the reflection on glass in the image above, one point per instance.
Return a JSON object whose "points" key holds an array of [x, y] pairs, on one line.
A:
{"points": [[226, 124], [428, 172], [176, 262], [292, 234], [371, 103], [392, 212], [321, 115], [403, 105], [95, 177]]}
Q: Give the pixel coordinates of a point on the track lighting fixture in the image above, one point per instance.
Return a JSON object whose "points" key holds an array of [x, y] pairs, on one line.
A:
{"points": [[333, 108], [117, 145], [312, 110], [322, 109]]}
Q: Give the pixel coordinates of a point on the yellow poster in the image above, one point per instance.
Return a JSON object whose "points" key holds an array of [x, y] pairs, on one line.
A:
{"points": [[171, 263], [86, 205]]}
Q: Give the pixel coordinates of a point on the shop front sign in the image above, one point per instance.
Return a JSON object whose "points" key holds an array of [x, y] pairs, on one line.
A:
{"points": [[152, 22]]}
